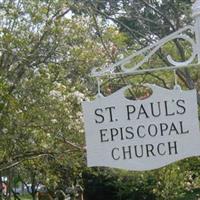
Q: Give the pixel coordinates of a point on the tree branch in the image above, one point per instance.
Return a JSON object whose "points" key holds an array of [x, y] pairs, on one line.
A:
{"points": [[131, 31], [160, 13], [7, 165]]}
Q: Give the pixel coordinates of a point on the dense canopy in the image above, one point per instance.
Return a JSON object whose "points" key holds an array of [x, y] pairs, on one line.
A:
{"points": [[47, 51]]}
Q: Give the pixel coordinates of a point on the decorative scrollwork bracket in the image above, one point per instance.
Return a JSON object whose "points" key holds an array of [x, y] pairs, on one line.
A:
{"points": [[147, 52]]}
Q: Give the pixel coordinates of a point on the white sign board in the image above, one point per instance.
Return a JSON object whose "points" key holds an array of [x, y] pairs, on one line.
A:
{"points": [[142, 134]]}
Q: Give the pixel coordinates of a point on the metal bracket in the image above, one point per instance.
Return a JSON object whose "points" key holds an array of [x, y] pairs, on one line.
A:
{"points": [[149, 51]]}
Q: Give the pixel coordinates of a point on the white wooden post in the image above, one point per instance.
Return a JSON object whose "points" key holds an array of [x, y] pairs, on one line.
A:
{"points": [[196, 15]]}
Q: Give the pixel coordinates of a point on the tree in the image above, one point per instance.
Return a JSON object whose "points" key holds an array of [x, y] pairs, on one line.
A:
{"points": [[46, 57], [145, 22], [48, 49]]}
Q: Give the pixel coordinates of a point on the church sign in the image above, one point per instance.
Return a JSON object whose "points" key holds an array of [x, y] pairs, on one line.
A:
{"points": [[142, 134]]}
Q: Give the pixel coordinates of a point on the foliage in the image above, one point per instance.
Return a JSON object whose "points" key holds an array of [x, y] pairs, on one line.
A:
{"points": [[47, 51], [166, 183]]}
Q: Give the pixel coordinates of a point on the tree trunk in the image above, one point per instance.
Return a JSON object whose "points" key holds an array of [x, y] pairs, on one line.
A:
{"points": [[33, 186], [1, 187], [9, 186]]}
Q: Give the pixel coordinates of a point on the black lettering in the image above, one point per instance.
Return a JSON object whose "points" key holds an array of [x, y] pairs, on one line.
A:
{"points": [[101, 120], [114, 133], [136, 151], [182, 109], [130, 110], [142, 111], [114, 156], [129, 130], [163, 128], [172, 147], [110, 109], [181, 127], [125, 152], [121, 133], [139, 133], [152, 130], [150, 148], [153, 109], [103, 135], [167, 111], [159, 149], [173, 128]]}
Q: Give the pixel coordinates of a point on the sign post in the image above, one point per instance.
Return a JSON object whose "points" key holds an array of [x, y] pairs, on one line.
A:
{"points": [[142, 134], [150, 133], [149, 51]]}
